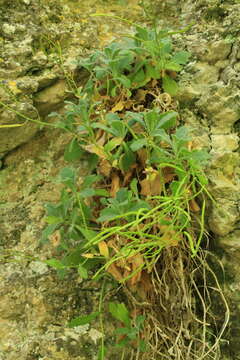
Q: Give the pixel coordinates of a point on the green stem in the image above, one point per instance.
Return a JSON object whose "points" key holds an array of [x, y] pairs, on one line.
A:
{"points": [[26, 117]]}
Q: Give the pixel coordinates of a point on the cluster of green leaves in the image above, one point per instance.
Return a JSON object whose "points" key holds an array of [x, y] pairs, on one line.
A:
{"points": [[131, 329], [131, 63], [77, 222]]}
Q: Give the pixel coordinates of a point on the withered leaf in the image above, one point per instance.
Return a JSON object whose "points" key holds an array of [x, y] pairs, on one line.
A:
{"points": [[115, 185], [137, 263], [101, 137], [115, 272], [193, 205], [140, 95], [168, 174], [152, 184], [94, 149], [103, 249], [105, 167], [118, 107], [142, 156], [171, 237]]}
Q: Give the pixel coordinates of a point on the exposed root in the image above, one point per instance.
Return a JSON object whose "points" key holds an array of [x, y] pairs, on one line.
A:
{"points": [[180, 322]]}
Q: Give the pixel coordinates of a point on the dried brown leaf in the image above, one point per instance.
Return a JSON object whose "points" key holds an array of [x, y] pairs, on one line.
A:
{"points": [[105, 167], [152, 184], [137, 263], [115, 272], [168, 174], [115, 185], [142, 156], [171, 237], [101, 137], [129, 175], [193, 205]]}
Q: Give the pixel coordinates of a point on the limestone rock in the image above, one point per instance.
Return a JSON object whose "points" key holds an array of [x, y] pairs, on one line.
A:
{"points": [[14, 136], [223, 218], [221, 106], [221, 143], [50, 98]]}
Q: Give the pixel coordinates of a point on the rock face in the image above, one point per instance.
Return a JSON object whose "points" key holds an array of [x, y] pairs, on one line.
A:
{"points": [[37, 66]]}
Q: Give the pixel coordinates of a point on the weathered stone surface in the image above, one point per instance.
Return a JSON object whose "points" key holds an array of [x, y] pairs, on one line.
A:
{"points": [[12, 137], [221, 143], [224, 217], [220, 104], [205, 74], [216, 50], [51, 97]]}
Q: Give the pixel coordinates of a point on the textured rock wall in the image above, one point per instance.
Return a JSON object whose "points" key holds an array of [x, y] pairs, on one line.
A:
{"points": [[35, 305]]}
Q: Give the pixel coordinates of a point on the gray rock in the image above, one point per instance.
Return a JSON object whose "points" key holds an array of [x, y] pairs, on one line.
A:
{"points": [[221, 143], [223, 217]]}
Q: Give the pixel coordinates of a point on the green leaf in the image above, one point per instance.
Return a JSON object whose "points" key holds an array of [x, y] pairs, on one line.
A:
{"points": [[173, 66], [82, 271], [53, 220], [73, 151], [110, 117], [118, 128], [132, 333], [138, 144], [100, 72], [92, 160], [56, 264], [87, 192], [167, 120], [166, 46], [143, 33], [124, 81], [169, 85], [126, 160], [134, 187], [67, 176], [108, 214], [152, 73], [47, 232], [83, 320], [182, 134], [120, 312], [112, 144], [90, 180], [101, 192], [138, 77], [181, 57], [140, 204], [87, 233], [159, 155], [200, 157], [73, 258]]}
